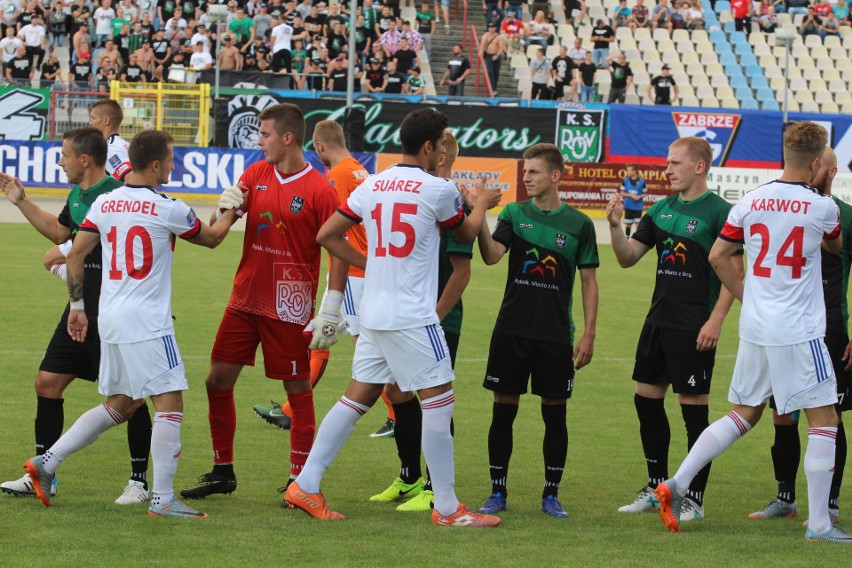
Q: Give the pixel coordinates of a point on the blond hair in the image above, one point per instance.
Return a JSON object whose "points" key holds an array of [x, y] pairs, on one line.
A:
{"points": [[804, 142], [330, 133], [697, 148]]}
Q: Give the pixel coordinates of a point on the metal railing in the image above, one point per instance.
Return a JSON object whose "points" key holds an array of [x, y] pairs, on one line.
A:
{"points": [[69, 109], [481, 79]]}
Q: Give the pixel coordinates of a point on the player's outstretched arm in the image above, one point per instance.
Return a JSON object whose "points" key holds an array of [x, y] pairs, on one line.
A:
{"points": [[455, 286], [627, 251], [331, 237], [585, 347], [720, 260], [486, 198], [211, 236], [84, 243], [708, 336], [45, 223]]}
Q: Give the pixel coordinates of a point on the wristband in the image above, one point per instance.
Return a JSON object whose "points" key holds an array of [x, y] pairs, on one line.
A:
{"points": [[77, 305]]}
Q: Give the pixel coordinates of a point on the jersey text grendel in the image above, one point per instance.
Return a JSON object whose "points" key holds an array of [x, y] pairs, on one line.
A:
{"points": [[781, 205], [396, 184], [122, 206]]}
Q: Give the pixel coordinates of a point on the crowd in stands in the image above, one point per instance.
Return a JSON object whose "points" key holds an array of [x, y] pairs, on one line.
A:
{"points": [[98, 41], [571, 75]]}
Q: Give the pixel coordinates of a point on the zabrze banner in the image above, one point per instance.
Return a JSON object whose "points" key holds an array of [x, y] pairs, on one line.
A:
{"points": [[580, 134], [484, 131], [739, 138], [590, 186], [197, 170], [23, 113]]}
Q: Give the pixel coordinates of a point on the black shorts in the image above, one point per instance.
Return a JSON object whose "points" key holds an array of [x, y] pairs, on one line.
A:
{"points": [[666, 355], [64, 356], [452, 345], [632, 215], [836, 344], [512, 361]]}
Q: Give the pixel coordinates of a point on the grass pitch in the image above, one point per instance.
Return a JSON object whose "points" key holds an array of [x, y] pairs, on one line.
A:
{"points": [[605, 463]]}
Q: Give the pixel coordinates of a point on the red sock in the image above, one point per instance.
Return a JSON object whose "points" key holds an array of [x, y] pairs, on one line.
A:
{"points": [[391, 413], [301, 430], [223, 424], [319, 361]]}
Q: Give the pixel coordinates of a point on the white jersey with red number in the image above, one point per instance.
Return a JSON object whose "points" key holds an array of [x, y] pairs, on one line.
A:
{"points": [[782, 225], [137, 227], [279, 270], [118, 161], [403, 209]]}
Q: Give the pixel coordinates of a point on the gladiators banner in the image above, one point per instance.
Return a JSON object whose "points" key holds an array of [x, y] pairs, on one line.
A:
{"points": [[481, 131], [23, 113]]}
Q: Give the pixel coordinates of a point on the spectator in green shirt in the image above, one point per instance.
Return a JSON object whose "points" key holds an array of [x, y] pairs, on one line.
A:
{"points": [[243, 28]]}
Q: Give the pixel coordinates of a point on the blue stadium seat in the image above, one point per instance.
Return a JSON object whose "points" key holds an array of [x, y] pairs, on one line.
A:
{"points": [[748, 104], [743, 49], [728, 59], [770, 105], [743, 93], [748, 60], [738, 81], [754, 70], [765, 94], [759, 82], [718, 35], [733, 70], [721, 48], [738, 37], [730, 27], [723, 6]]}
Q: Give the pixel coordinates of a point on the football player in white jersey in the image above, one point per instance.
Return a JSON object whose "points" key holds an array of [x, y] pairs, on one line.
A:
{"points": [[136, 227], [106, 116], [403, 209], [782, 324]]}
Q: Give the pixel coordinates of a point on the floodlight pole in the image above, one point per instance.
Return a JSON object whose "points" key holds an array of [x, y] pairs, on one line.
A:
{"points": [[219, 13], [350, 76]]}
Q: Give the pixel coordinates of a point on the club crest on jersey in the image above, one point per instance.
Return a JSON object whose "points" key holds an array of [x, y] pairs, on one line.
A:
{"points": [[191, 217], [114, 160], [296, 205], [560, 240], [718, 129], [691, 226]]}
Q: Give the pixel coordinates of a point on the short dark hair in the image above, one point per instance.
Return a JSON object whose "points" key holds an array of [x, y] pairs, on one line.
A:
{"points": [[88, 141], [148, 147], [547, 152], [804, 142], [421, 126], [112, 109], [288, 118]]}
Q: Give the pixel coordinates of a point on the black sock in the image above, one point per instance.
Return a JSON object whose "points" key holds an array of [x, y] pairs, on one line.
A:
{"points": [[139, 441], [786, 453], [500, 444], [428, 486], [407, 435], [696, 419], [225, 470], [50, 417], [627, 230], [839, 466], [555, 447], [656, 435]]}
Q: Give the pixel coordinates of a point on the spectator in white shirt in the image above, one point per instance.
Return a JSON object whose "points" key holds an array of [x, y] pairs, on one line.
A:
{"points": [[103, 22], [200, 60], [9, 45], [34, 35]]}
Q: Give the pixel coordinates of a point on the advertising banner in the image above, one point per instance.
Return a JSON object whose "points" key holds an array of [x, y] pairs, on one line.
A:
{"points": [[498, 172], [198, 171], [580, 134], [483, 131], [590, 186], [739, 138], [23, 113]]}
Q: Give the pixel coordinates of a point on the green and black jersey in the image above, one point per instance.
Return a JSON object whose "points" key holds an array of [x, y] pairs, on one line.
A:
{"points": [[72, 215], [835, 275], [545, 251], [452, 323], [683, 232]]}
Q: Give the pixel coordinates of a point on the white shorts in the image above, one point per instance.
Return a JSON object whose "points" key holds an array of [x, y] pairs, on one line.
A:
{"points": [[142, 369], [351, 303], [798, 376], [65, 247], [414, 359]]}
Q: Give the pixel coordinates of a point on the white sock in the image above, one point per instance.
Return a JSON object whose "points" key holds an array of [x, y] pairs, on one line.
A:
{"points": [[438, 447], [60, 270], [165, 451], [715, 439], [83, 432], [819, 469], [333, 432]]}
